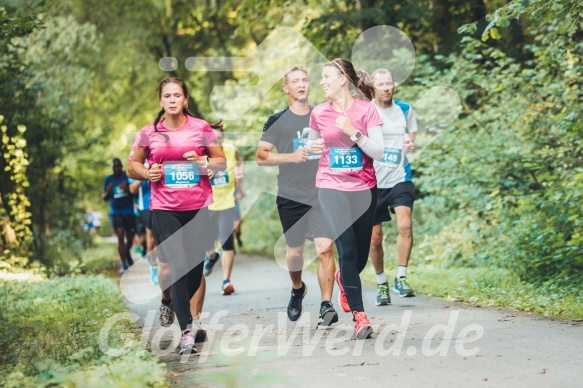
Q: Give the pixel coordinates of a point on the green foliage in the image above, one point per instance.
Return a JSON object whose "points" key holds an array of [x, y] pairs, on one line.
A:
{"points": [[501, 187], [15, 164], [50, 335], [510, 171], [99, 258]]}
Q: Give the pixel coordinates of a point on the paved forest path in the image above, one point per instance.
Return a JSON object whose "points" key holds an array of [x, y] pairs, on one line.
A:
{"points": [[257, 345]]}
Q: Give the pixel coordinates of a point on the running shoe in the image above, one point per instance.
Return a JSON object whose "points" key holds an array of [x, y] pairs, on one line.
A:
{"points": [[187, 343], [294, 308], [328, 315], [342, 301], [166, 315], [383, 297], [209, 264], [154, 274], [228, 288], [124, 267], [403, 288], [362, 327], [200, 335]]}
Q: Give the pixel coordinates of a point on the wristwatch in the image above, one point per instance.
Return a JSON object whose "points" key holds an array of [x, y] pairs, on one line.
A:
{"points": [[356, 136], [207, 162]]}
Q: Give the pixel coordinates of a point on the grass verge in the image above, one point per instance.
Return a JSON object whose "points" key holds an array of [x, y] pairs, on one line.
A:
{"points": [[492, 287], [102, 257], [50, 333]]}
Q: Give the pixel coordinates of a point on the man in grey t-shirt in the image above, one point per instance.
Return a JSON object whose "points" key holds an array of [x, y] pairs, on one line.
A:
{"points": [[297, 196]]}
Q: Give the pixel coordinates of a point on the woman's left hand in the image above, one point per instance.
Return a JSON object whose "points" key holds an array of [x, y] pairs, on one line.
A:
{"points": [[194, 157], [343, 122]]}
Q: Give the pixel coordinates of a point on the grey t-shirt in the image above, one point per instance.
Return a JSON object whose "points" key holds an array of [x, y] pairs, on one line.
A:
{"points": [[296, 181]]}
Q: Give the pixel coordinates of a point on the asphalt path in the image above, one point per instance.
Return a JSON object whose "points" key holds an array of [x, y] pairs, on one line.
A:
{"points": [[418, 341]]}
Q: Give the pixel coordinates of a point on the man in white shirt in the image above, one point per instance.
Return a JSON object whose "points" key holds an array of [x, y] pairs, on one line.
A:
{"points": [[396, 192]]}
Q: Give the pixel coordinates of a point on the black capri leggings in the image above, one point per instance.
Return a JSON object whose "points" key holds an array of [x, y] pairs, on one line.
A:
{"points": [[181, 237], [350, 215]]}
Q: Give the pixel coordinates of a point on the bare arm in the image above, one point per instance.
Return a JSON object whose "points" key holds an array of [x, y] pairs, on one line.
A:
{"points": [[106, 195], [239, 173], [239, 167], [135, 186], [266, 157], [217, 159], [137, 170]]}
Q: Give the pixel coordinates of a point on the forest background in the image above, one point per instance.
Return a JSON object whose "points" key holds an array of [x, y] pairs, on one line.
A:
{"points": [[499, 214]]}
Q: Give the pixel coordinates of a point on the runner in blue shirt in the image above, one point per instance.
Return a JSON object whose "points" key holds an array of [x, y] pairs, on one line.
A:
{"points": [[142, 189], [116, 190]]}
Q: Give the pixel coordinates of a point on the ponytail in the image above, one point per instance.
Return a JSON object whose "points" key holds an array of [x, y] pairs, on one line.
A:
{"points": [[160, 114], [359, 81], [186, 112], [364, 84], [218, 126]]}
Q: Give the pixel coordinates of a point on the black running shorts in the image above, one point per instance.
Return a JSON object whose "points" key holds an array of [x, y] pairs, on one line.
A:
{"points": [[125, 221], [146, 218], [301, 221], [402, 194]]}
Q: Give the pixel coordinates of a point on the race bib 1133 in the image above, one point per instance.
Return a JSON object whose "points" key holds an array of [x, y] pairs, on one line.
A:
{"points": [[345, 159]]}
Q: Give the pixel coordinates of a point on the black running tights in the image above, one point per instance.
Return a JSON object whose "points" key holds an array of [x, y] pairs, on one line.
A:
{"points": [[181, 238], [350, 215]]}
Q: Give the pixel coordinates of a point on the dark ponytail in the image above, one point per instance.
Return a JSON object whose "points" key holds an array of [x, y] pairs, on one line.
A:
{"points": [[364, 85], [160, 114], [218, 126], [186, 112]]}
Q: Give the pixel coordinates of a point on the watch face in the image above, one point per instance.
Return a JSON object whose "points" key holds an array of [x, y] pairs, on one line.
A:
{"points": [[357, 135]]}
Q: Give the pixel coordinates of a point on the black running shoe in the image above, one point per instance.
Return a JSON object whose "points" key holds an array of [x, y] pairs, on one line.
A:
{"points": [[200, 335], [328, 315], [294, 308]]}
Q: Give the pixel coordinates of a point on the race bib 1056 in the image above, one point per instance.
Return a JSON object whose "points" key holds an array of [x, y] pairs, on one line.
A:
{"points": [[181, 175]]}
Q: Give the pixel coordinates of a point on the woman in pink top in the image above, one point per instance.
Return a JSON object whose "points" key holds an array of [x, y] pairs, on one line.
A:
{"points": [[346, 131], [179, 149]]}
